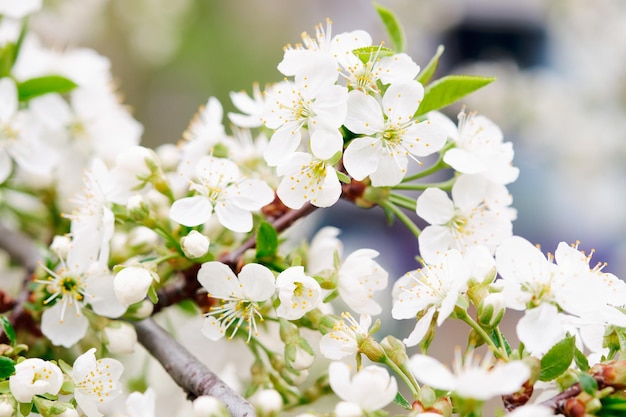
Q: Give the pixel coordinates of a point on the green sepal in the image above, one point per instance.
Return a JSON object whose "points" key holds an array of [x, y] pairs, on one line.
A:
{"points": [[331, 296], [447, 90], [429, 70], [43, 85], [402, 402], [7, 367], [343, 177], [369, 53], [7, 58], [393, 26], [67, 387], [65, 367], [588, 383], [613, 403], [558, 359], [4, 387], [266, 241], [8, 330], [25, 408], [152, 295]]}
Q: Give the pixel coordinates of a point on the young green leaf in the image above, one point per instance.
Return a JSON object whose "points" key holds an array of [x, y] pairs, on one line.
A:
{"points": [[8, 330], [7, 57], [581, 360], [7, 367], [394, 29], [367, 53], [43, 85], [588, 383], [429, 70], [557, 360], [266, 240], [449, 89], [402, 402]]}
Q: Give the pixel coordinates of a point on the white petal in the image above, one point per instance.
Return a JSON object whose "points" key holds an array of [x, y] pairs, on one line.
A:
{"points": [[219, 280], [258, 282], [390, 170], [431, 372], [325, 143], [66, 332], [434, 206], [8, 99], [424, 138], [540, 328], [233, 217], [212, 328], [361, 157], [364, 114], [434, 241], [283, 143], [421, 328], [5, 165], [401, 101], [464, 161], [191, 211]]}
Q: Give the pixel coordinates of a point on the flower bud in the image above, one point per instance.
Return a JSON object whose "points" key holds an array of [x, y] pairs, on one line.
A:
{"points": [[346, 409], [137, 207], [395, 350], [195, 244], [131, 285], [612, 373], [303, 359], [7, 406], [61, 246], [120, 337], [51, 408], [208, 406], [491, 310], [372, 349], [268, 402]]}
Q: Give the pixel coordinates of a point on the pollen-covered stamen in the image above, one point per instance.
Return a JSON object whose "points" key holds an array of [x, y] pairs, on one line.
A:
{"points": [[237, 312], [67, 287], [98, 382]]}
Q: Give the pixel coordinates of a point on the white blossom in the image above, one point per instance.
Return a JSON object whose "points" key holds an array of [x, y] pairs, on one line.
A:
{"points": [[18, 9], [96, 382], [371, 388], [359, 277], [391, 134], [34, 376], [131, 284], [240, 298], [345, 337], [298, 293]]}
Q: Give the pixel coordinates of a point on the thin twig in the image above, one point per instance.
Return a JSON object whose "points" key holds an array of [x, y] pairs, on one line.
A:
{"points": [[192, 375]]}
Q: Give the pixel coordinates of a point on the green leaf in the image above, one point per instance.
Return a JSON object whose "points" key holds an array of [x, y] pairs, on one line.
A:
{"points": [[402, 402], [581, 360], [557, 360], [370, 53], [392, 24], [43, 85], [427, 73], [614, 403], [343, 177], [449, 89], [7, 367], [266, 240], [7, 58], [588, 383], [188, 307], [152, 295], [8, 330], [496, 340]]}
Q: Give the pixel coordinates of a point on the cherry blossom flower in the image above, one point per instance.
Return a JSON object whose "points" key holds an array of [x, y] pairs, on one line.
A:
{"points": [[313, 102], [548, 291], [240, 298], [463, 221], [371, 388], [222, 189], [397, 68], [252, 107], [34, 376], [345, 337], [392, 135], [19, 137], [471, 380], [96, 382], [435, 288], [359, 277], [298, 293], [77, 282], [306, 178], [479, 148], [322, 250]]}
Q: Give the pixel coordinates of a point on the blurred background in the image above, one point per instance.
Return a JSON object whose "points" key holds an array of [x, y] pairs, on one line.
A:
{"points": [[560, 96]]}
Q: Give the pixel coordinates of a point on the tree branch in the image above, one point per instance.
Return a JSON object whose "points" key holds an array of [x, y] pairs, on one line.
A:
{"points": [[192, 375]]}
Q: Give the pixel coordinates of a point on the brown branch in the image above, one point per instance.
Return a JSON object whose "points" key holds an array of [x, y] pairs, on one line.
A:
{"points": [[192, 375], [20, 248], [187, 288]]}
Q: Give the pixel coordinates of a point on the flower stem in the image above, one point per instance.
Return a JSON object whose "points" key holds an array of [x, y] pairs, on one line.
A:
{"points": [[402, 201], [462, 314], [444, 185], [409, 380], [403, 217]]}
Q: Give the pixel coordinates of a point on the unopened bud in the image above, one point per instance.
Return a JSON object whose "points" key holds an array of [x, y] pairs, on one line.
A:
{"points": [[611, 373], [268, 402], [131, 285], [299, 357], [140, 311], [7, 406], [208, 406], [120, 337], [195, 244], [372, 349], [491, 310], [395, 350], [61, 245], [346, 409]]}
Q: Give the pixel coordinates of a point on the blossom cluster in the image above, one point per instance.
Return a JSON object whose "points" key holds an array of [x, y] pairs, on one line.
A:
{"points": [[351, 119]]}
